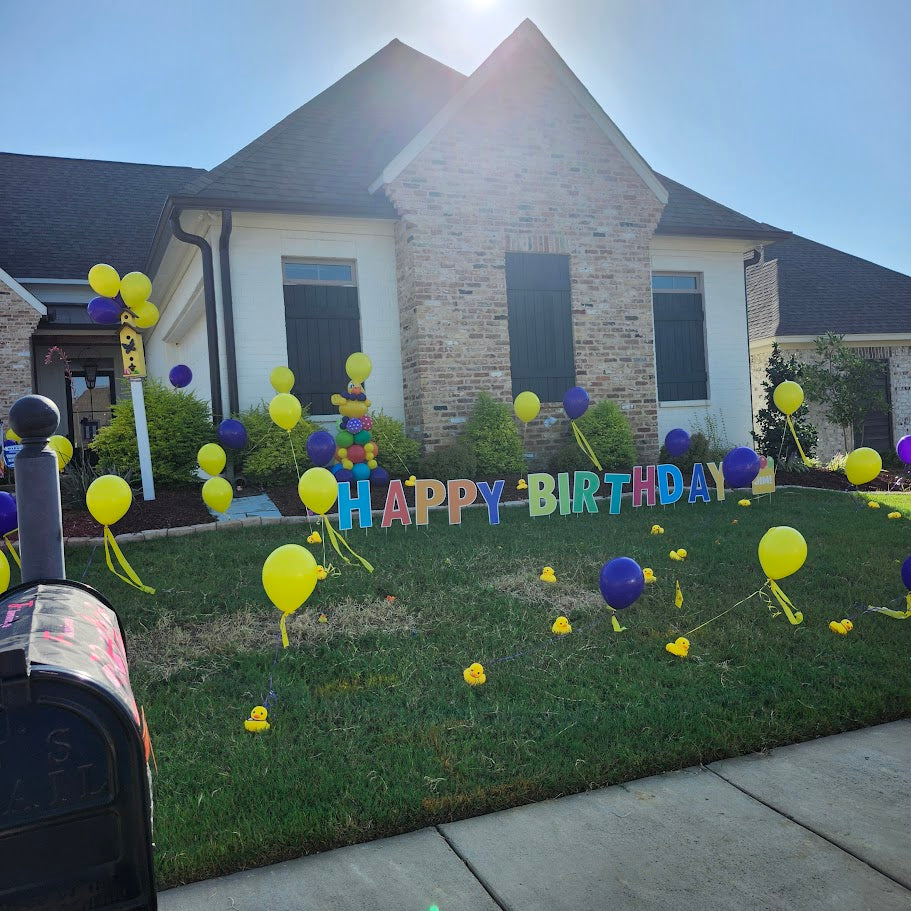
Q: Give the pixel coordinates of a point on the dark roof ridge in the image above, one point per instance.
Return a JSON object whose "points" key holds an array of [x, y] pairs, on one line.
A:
{"points": [[243, 154], [135, 164]]}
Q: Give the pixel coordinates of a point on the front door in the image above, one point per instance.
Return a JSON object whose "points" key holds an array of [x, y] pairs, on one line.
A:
{"points": [[90, 408]]}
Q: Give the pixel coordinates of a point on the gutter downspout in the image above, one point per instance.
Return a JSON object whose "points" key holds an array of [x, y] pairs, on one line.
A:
{"points": [[227, 307], [208, 284], [752, 260]]}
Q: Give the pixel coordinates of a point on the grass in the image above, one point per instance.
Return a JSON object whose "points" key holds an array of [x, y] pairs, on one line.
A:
{"points": [[375, 731]]}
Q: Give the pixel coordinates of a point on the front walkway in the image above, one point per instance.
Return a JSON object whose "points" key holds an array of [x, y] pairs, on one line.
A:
{"points": [[819, 825]]}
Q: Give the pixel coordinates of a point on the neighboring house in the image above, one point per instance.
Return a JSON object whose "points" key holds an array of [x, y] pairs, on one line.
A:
{"points": [[490, 233], [799, 290]]}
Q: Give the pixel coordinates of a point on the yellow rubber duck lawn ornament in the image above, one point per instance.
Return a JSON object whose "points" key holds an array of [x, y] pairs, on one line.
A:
{"points": [[894, 515], [321, 572], [412, 480], [257, 720], [842, 628], [522, 485], [656, 530], [474, 674], [561, 626], [680, 647], [649, 574], [744, 502], [547, 574], [314, 538]]}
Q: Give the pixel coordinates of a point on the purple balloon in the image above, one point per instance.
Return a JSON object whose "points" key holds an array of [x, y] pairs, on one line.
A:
{"points": [[180, 376], [903, 448], [906, 573], [232, 433], [621, 582], [740, 467], [104, 310], [379, 476], [677, 442], [575, 402], [343, 475], [354, 425], [321, 448], [9, 516]]}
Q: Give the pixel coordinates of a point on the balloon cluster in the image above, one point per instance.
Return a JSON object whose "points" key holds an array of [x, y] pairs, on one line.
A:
{"points": [[354, 447], [120, 299], [217, 492]]}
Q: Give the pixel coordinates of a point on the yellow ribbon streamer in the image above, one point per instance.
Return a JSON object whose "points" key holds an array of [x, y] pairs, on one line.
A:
{"points": [[284, 630], [803, 455], [895, 614], [615, 623], [585, 446], [110, 544], [678, 596], [336, 538], [11, 547], [794, 616]]}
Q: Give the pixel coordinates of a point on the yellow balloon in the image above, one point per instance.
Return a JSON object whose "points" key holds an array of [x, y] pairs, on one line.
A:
{"points": [[4, 573], [285, 410], [217, 494], [146, 315], [358, 367], [282, 379], [527, 405], [211, 458], [135, 289], [788, 396], [108, 499], [289, 577], [64, 449], [104, 280], [318, 490], [863, 465], [12, 435], [782, 551]]}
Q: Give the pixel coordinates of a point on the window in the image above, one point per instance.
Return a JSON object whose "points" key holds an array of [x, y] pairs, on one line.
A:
{"points": [[313, 273], [322, 327], [540, 324], [679, 337]]}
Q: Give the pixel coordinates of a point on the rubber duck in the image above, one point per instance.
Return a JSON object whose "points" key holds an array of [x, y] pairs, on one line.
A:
{"points": [[411, 481], [872, 505], [548, 575], [744, 502], [474, 674], [321, 572], [842, 628], [649, 574], [561, 626], [522, 485], [675, 556], [657, 530], [257, 720], [323, 619], [894, 515], [681, 553], [314, 538], [679, 647]]}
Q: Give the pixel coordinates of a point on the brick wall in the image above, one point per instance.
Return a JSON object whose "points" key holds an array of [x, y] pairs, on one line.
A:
{"points": [[18, 320], [523, 167]]}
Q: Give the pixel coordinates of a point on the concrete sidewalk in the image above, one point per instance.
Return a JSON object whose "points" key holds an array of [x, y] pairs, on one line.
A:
{"points": [[819, 825]]}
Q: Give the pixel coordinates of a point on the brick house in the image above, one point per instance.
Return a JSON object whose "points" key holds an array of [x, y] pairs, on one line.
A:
{"points": [[494, 232], [799, 290]]}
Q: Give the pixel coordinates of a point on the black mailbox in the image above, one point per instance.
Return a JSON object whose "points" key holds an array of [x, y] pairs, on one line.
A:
{"points": [[75, 796]]}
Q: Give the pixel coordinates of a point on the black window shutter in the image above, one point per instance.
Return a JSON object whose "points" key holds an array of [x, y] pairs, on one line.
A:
{"points": [[680, 347], [877, 426], [323, 327], [540, 324]]}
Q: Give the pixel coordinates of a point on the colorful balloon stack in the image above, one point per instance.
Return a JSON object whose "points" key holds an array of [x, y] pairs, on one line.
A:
{"points": [[355, 448]]}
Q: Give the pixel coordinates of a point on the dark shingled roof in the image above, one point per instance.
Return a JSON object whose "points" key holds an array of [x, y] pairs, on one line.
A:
{"points": [[324, 155], [60, 216], [806, 288], [690, 213]]}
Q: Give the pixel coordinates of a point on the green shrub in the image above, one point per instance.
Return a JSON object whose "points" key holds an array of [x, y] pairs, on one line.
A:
{"points": [[398, 453], [457, 460], [267, 457], [607, 431], [700, 451], [178, 422], [494, 437]]}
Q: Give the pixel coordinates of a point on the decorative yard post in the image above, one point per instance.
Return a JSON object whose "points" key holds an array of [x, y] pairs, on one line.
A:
{"points": [[35, 418], [134, 369]]}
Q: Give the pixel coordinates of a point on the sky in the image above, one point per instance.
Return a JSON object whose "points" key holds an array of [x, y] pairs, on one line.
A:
{"points": [[794, 112]]}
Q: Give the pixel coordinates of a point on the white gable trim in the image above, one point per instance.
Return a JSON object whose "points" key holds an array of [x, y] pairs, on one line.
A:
{"points": [[860, 339], [27, 296], [527, 32]]}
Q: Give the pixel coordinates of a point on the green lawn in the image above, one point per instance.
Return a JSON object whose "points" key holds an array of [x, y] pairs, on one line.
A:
{"points": [[375, 731]]}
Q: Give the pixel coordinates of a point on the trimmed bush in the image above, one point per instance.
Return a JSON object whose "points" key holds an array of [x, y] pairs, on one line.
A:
{"points": [[267, 456], [457, 460], [178, 422], [607, 431], [398, 453], [494, 438], [699, 451]]}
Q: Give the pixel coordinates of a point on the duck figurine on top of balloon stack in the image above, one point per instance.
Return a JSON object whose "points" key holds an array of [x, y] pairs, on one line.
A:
{"points": [[355, 448]]}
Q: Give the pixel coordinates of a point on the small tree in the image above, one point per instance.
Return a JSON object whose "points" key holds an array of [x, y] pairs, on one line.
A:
{"points": [[774, 439], [847, 385]]}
